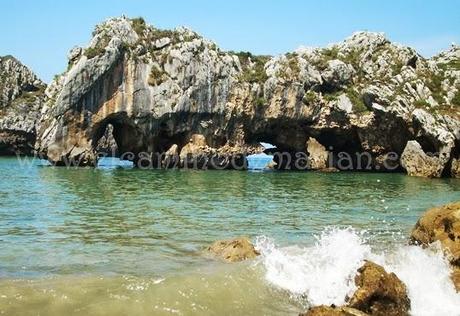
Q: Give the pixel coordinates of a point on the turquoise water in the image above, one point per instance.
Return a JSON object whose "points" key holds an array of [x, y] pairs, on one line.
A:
{"points": [[104, 223]]}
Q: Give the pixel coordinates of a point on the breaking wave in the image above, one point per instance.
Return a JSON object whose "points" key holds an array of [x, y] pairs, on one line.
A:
{"points": [[324, 273]]}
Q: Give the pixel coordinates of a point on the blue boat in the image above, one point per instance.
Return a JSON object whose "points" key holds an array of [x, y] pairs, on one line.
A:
{"points": [[259, 161]]}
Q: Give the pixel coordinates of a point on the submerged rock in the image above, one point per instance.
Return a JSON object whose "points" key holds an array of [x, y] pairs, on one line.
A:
{"points": [[379, 292], [234, 250]]}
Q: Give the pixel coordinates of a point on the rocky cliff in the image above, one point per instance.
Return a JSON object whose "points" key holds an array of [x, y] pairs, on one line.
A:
{"points": [[153, 91], [21, 97]]}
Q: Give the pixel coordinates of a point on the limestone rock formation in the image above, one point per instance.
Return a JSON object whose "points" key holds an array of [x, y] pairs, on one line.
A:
{"points": [[21, 99], [379, 292], [158, 87], [233, 250], [317, 155]]}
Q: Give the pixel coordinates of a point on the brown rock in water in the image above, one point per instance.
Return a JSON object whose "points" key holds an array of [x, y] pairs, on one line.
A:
{"points": [[329, 170], [379, 293], [440, 224], [234, 250], [333, 311]]}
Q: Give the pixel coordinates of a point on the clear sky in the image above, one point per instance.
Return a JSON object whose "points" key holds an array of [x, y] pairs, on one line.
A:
{"points": [[41, 32]]}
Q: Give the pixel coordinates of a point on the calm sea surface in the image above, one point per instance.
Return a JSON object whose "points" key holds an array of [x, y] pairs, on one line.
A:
{"points": [[126, 241]]}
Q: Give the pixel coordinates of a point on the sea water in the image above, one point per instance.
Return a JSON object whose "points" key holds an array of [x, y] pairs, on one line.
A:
{"points": [[84, 241]]}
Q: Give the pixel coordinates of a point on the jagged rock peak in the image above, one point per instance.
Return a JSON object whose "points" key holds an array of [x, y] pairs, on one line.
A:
{"points": [[21, 98], [16, 80]]}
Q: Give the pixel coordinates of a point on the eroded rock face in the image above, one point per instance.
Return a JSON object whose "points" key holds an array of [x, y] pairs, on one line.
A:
{"points": [[317, 155], [418, 163], [379, 292], [107, 145], [158, 88], [233, 250], [21, 100]]}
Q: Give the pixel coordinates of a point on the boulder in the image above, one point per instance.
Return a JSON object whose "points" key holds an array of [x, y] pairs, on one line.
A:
{"points": [[196, 153], [317, 155], [333, 311], [337, 73], [419, 164], [440, 224], [234, 250], [379, 292]]}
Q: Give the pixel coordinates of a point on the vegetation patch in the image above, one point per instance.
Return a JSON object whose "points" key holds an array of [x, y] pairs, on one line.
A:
{"points": [[310, 98], [253, 67], [139, 26], [260, 102], [357, 100], [422, 104], [157, 76], [451, 65], [97, 50], [456, 99]]}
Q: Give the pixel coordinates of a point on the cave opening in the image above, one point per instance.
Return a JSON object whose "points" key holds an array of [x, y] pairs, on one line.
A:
{"points": [[117, 137]]}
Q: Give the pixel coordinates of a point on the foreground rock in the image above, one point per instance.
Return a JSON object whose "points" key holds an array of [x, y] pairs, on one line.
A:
{"points": [[441, 224], [21, 99], [379, 294], [333, 311], [158, 88], [234, 250]]}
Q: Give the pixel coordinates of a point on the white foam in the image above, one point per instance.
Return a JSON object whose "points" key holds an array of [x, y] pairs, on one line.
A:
{"points": [[426, 274], [324, 273]]}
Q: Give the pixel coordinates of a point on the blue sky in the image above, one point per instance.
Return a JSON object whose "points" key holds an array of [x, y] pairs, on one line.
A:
{"points": [[41, 32]]}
